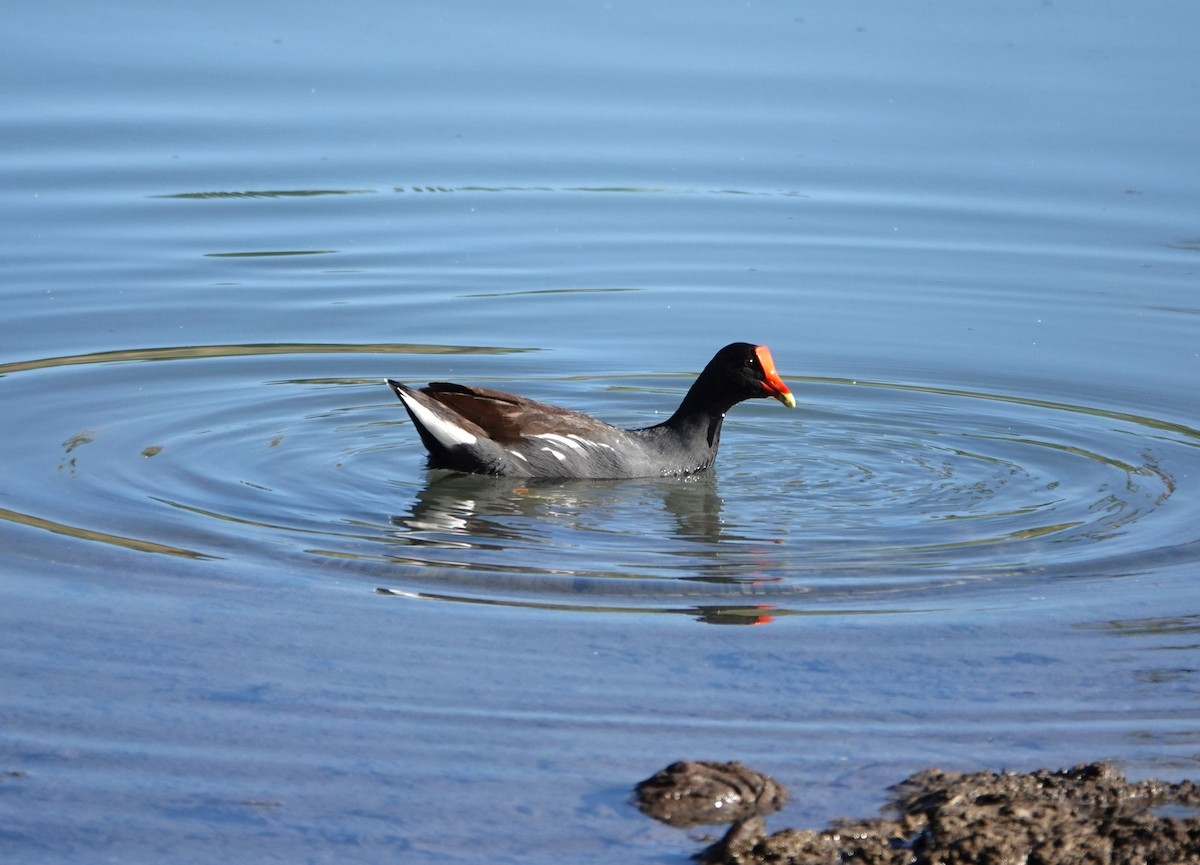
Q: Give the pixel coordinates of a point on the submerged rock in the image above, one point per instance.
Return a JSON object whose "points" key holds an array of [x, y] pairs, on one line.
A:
{"points": [[1087, 815]]}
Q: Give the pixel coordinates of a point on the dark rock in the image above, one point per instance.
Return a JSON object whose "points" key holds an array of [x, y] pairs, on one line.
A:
{"points": [[697, 793], [1088, 815]]}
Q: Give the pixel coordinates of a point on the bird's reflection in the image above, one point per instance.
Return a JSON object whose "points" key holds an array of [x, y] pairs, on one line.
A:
{"points": [[476, 505], [603, 543]]}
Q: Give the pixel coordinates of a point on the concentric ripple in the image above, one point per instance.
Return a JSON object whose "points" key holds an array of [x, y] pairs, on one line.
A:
{"points": [[281, 462]]}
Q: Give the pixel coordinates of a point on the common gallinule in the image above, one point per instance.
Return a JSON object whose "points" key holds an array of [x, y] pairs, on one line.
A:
{"points": [[473, 429]]}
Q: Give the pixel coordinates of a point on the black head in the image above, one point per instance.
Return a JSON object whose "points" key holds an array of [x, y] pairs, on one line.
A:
{"points": [[744, 371]]}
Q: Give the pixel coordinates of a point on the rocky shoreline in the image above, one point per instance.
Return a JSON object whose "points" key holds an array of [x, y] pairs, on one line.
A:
{"points": [[1087, 814]]}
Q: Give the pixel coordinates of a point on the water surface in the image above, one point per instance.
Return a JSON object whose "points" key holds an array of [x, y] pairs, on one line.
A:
{"points": [[240, 618]]}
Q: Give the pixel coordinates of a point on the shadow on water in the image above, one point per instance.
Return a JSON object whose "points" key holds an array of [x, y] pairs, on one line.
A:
{"points": [[198, 352], [606, 190]]}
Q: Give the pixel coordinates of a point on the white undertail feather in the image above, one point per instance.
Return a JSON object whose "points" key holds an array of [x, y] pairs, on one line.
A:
{"points": [[448, 434]]}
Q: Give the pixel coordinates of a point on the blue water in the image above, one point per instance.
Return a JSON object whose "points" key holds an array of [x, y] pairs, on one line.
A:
{"points": [[239, 619]]}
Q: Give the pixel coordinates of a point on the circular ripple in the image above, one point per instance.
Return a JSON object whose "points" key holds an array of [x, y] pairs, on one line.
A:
{"points": [[925, 477], [869, 491]]}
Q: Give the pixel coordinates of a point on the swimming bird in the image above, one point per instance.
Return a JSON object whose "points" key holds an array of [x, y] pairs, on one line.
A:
{"points": [[474, 429]]}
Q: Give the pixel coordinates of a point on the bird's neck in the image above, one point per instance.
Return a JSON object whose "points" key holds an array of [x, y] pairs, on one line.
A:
{"points": [[699, 417], [702, 405]]}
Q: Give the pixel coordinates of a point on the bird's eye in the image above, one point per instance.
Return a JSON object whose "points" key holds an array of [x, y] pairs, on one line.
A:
{"points": [[751, 362]]}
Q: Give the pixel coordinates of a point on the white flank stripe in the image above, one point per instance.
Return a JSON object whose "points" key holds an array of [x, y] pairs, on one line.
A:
{"points": [[444, 431], [561, 457], [589, 442], [560, 440], [521, 457]]}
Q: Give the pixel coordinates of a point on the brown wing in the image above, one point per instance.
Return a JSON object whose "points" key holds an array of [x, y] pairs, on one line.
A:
{"points": [[506, 417]]}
